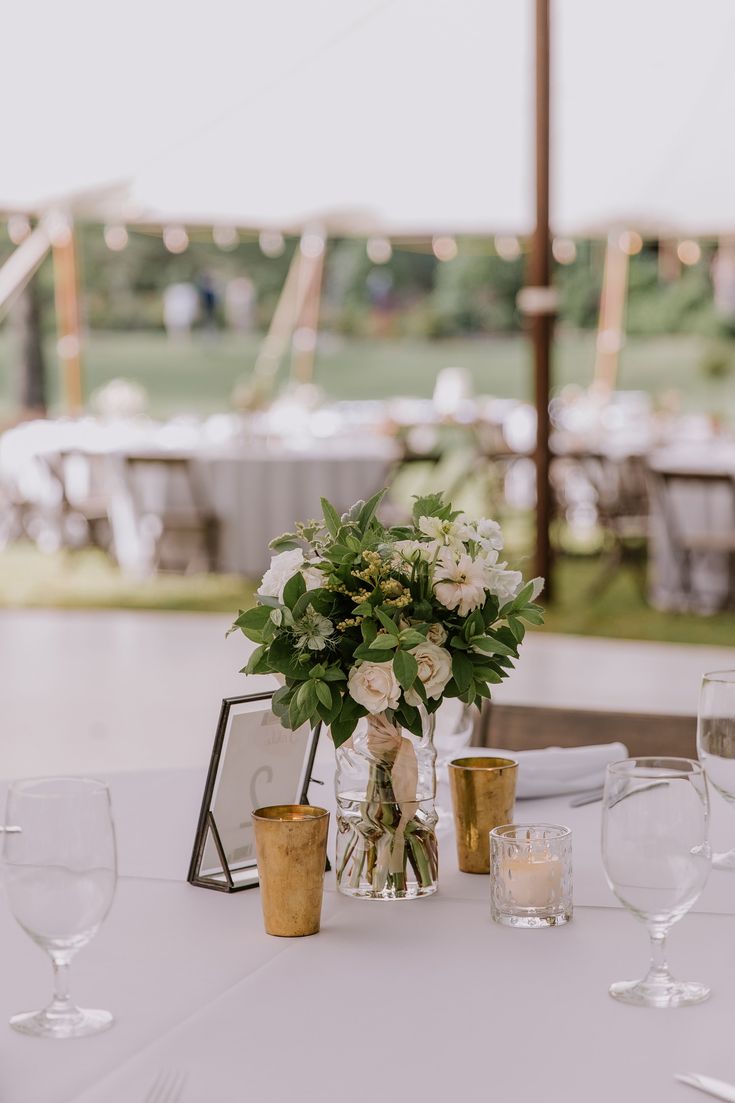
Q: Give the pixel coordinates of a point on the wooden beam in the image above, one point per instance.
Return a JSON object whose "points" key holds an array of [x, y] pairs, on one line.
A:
{"points": [[68, 318], [610, 329], [542, 318]]}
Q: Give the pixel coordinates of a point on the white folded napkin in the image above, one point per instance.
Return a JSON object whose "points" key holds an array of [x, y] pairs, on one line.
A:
{"points": [[555, 771]]}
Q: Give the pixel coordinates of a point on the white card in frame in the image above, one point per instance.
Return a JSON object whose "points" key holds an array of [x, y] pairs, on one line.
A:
{"points": [[255, 762]]}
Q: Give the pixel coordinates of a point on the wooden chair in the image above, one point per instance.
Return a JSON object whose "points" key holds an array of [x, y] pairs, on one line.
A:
{"points": [[183, 530], [710, 536]]}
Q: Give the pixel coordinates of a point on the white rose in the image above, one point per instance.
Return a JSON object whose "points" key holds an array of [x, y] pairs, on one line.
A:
{"points": [[503, 584], [436, 634], [435, 670], [283, 566], [375, 686]]}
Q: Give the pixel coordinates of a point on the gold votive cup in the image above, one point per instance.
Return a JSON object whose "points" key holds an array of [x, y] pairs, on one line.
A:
{"points": [[483, 794], [291, 846]]}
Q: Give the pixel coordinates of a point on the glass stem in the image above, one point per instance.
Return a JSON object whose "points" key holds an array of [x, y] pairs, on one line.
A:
{"points": [[62, 998], [658, 971]]}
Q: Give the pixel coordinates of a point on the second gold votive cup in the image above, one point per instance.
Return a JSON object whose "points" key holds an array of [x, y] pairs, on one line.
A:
{"points": [[483, 794], [291, 845]]}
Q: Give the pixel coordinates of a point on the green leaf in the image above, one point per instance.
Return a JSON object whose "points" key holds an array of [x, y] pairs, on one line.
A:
{"points": [[369, 630], [366, 651], [293, 589], [369, 510], [253, 621], [406, 668], [334, 674], [410, 718], [254, 659], [297, 714], [531, 615], [388, 624], [481, 690], [329, 715], [331, 517], [283, 659], [287, 542], [431, 505], [462, 671], [522, 596], [517, 629], [280, 700], [490, 646], [409, 638], [383, 641], [324, 694]]}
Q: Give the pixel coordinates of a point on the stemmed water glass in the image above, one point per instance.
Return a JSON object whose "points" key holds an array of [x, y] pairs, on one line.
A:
{"points": [[60, 872], [716, 741], [656, 856]]}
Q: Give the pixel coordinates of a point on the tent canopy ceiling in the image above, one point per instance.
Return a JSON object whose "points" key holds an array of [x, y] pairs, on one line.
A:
{"points": [[371, 116]]}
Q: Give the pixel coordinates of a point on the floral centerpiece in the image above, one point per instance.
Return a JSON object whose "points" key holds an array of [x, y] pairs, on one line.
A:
{"points": [[371, 628]]}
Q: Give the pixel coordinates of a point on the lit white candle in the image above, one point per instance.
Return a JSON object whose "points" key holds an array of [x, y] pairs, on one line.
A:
{"points": [[532, 881]]}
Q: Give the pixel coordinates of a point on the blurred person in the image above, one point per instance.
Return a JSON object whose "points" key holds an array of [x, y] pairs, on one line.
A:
{"points": [[240, 304], [208, 300], [723, 279], [180, 309]]}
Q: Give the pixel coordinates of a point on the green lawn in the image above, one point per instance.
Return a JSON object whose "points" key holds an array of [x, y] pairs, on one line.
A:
{"points": [[198, 376], [87, 579]]}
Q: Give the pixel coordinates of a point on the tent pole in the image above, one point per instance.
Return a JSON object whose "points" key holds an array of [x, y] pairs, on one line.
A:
{"points": [[612, 312], [542, 315], [303, 345], [68, 320]]}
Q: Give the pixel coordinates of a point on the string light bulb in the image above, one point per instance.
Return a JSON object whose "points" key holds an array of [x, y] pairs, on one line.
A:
{"points": [[176, 239], [379, 250], [271, 243], [444, 247], [116, 238], [564, 250], [507, 246], [18, 228], [225, 237], [689, 252], [630, 242]]}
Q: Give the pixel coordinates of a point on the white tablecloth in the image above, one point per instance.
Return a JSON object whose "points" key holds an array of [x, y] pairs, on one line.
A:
{"points": [[428, 1000], [697, 509], [256, 487]]}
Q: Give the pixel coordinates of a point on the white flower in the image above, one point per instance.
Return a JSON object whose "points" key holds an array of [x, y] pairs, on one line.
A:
{"points": [[435, 670], [313, 577], [436, 634], [283, 566], [503, 584], [312, 630], [375, 686], [444, 533], [489, 534], [460, 581]]}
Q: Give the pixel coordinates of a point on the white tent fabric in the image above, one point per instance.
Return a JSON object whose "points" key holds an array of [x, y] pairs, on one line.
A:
{"points": [[395, 116]]}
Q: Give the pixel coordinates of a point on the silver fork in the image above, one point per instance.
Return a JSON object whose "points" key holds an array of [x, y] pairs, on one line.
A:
{"points": [[166, 1088]]}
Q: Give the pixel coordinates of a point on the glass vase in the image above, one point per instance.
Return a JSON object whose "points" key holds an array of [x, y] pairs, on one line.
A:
{"points": [[386, 784]]}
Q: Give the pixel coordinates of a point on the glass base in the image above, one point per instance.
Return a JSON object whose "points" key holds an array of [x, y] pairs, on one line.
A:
{"points": [[725, 860], [531, 921], [75, 1023], [364, 892], [642, 994]]}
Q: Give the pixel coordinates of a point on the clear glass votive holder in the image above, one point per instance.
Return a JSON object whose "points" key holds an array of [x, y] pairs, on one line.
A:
{"points": [[531, 875]]}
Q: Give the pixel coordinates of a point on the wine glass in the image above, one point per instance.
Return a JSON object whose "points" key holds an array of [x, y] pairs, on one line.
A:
{"points": [[60, 871], [656, 856], [716, 741]]}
